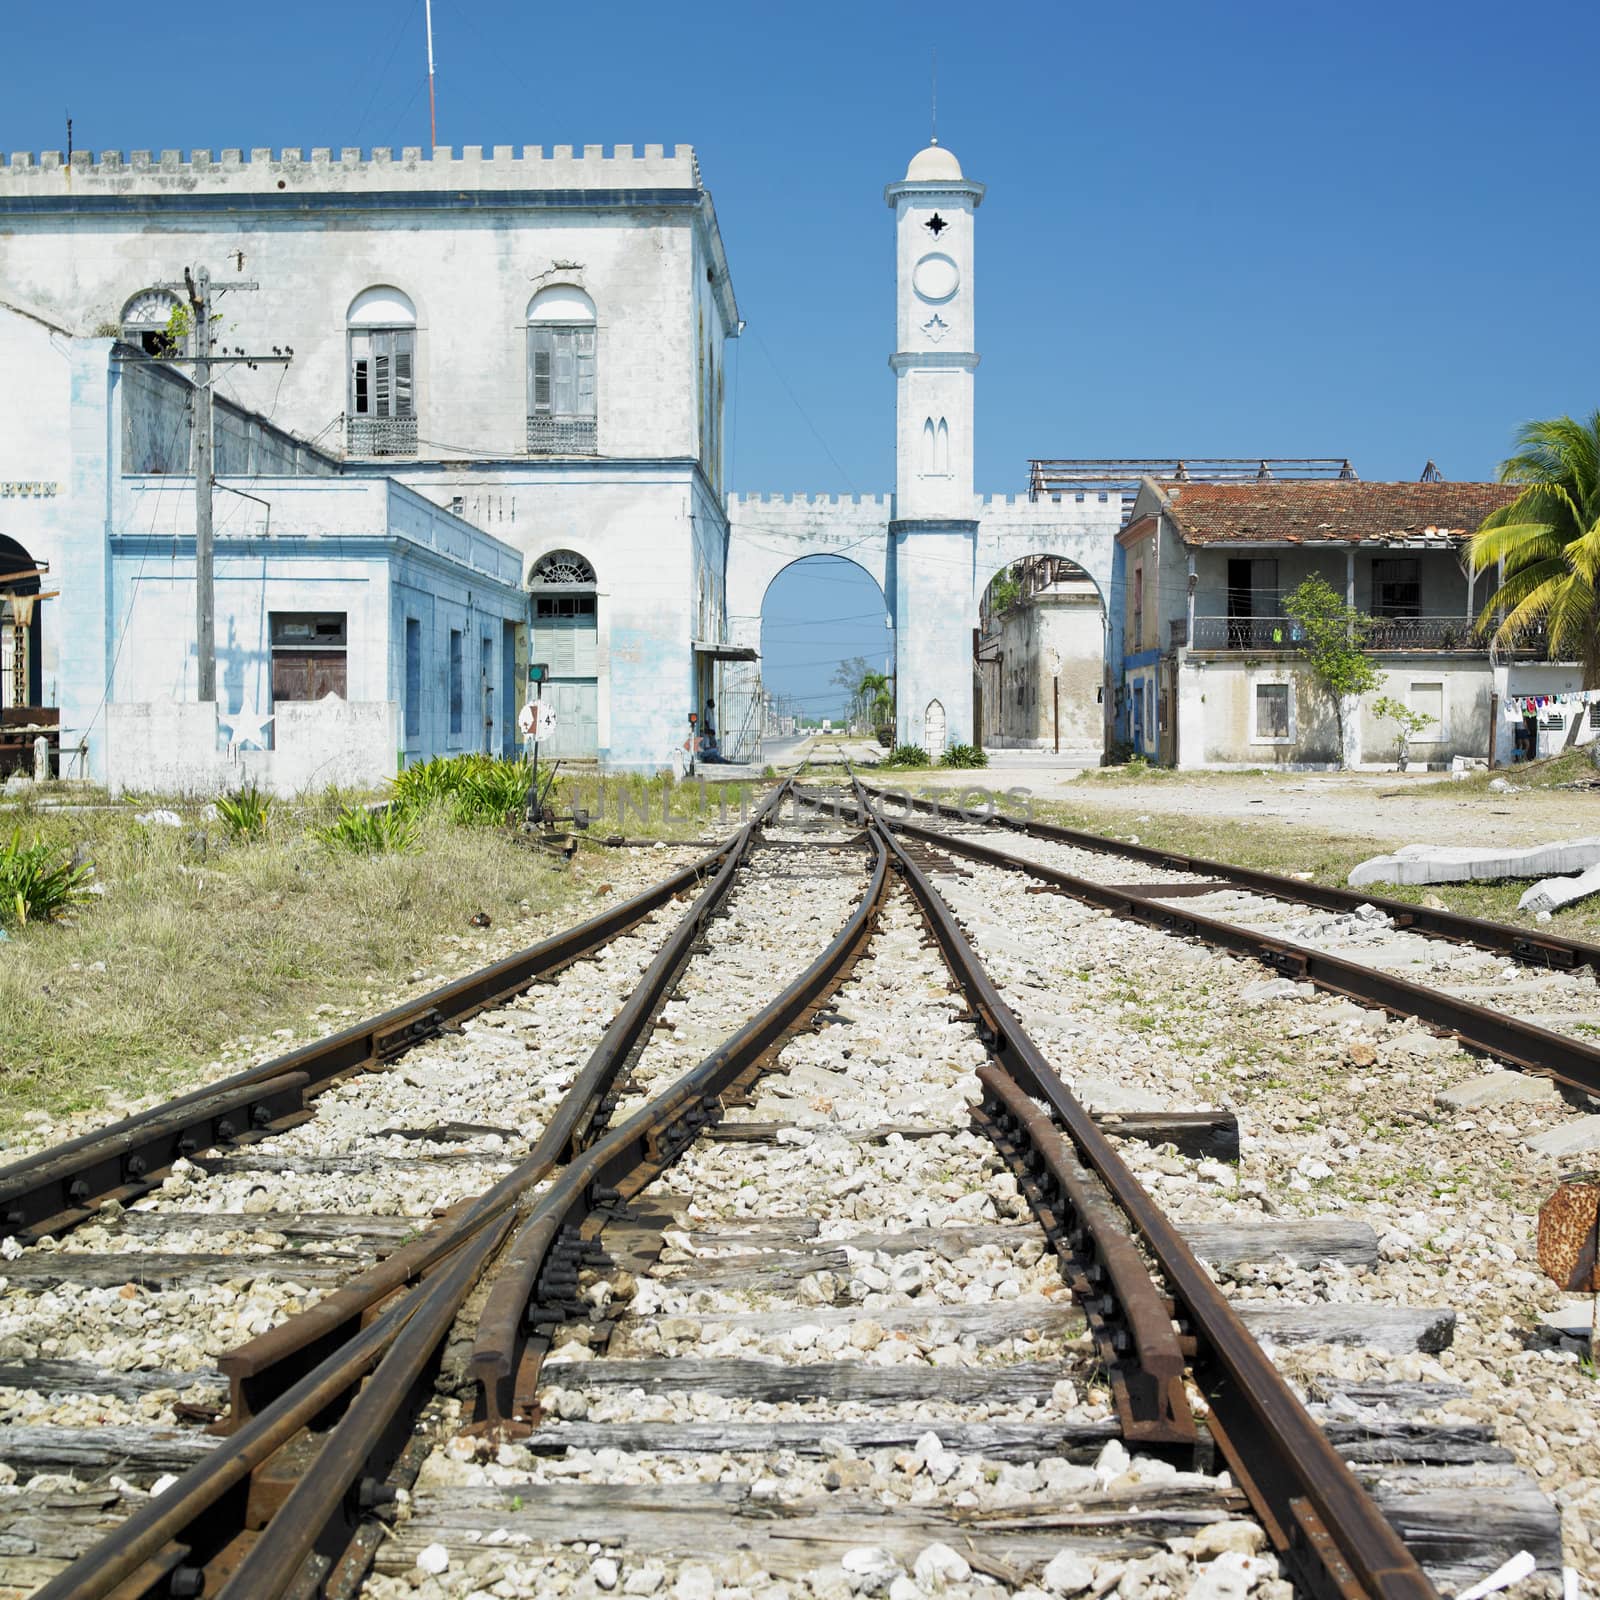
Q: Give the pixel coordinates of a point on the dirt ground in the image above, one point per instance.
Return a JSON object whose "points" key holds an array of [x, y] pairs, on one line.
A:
{"points": [[1390, 808]]}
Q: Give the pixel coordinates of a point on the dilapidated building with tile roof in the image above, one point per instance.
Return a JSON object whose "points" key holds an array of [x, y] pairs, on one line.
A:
{"points": [[1212, 672]]}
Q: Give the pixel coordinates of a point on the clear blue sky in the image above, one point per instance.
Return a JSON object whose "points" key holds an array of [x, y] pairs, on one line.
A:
{"points": [[1238, 229]]}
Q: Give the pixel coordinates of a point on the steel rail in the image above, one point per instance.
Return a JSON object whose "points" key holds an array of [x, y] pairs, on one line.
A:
{"points": [[1535, 949], [314, 1525], [307, 1369], [62, 1186], [1521, 1044], [1319, 1518], [262, 1368]]}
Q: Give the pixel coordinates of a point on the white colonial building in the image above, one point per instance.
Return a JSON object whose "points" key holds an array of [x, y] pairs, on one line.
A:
{"points": [[530, 341]]}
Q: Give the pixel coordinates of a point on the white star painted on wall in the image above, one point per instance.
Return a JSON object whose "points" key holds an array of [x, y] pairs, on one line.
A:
{"points": [[936, 327], [246, 727]]}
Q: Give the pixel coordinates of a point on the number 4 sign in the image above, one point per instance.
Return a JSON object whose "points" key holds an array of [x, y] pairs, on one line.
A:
{"points": [[537, 719]]}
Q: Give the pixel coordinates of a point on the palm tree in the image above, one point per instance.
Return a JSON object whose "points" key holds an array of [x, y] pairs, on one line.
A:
{"points": [[874, 692], [1549, 541]]}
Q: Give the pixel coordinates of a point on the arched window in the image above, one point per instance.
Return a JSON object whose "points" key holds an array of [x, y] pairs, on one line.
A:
{"points": [[564, 569], [382, 412], [941, 449], [927, 447], [561, 375], [147, 322]]}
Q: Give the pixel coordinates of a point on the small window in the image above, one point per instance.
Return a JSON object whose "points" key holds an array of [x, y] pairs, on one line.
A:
{"points": [[1594, 715], [413, 679], [1272, 712], [1427, 700], [309, 659], [1397, 587], [456, 688]]}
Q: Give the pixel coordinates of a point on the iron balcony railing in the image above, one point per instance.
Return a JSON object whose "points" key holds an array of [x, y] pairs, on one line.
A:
{"points": [[561, 436], [1391, 634], [381, 436]]}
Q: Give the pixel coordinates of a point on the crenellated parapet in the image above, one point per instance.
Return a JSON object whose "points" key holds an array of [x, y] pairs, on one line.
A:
{"points": [[353, 170], [764, 504]]}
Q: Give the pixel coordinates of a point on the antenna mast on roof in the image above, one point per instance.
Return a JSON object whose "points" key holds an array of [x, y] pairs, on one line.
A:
{"points": [[433, 118], [934, 86]]}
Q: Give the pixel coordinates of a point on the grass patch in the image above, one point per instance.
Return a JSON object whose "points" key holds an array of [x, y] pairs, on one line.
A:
{"points": [[1572, 766], [197, 941]]}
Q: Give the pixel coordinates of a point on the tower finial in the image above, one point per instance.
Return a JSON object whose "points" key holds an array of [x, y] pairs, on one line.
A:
{"points": [[934, 136]]}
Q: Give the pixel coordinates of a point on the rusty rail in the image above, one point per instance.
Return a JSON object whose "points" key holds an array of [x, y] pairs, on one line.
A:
{"points": [[368, 1354], [60, 1187], [1534, 949], [1321, 1521], [1520, 1044]]}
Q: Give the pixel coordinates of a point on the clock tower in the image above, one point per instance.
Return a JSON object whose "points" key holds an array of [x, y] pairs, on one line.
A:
{"points": [[932, 539]]}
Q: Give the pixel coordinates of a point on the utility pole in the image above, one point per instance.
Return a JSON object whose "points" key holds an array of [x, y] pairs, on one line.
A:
{"points": [[198, 283]]}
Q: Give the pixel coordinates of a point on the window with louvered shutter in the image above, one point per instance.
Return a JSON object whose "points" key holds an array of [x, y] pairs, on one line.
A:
{"points": [[382, 361], [561, 390]]}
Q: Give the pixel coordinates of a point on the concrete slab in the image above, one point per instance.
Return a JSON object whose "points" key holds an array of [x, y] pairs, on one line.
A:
{"points": [[1574, 1138], [1550, 894], [1433, 863], [1497, 1089]]}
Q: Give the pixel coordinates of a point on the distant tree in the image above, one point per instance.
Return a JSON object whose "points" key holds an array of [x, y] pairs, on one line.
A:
{"points": [[1549, 540], [848, 676], [1334, 636], [876, 697], [1005, 590]]}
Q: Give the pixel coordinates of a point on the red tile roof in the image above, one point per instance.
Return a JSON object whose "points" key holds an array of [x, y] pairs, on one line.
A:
{"points": [[1345, 513]]}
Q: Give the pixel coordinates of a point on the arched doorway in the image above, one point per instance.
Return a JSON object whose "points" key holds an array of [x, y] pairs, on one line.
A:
{"points": [[1039, 676], [21, 656], [565, 640], [934, 729], [21, 633], [827, 653]]}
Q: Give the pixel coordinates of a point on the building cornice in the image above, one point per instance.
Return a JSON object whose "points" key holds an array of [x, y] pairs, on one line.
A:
{"points": [[935, 361], [931, 187], [301, 203]]}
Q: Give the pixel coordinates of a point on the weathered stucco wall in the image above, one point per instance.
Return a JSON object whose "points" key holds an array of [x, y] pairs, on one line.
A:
{"points": [[1054, 627], [630, 230], [163, 748], [1219, 713]]}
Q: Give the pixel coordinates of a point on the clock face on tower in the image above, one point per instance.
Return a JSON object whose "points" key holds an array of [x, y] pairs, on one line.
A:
{"points": [[936, 277]]}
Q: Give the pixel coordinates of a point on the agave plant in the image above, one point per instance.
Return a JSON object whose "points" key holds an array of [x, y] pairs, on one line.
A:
{"points": [[244, 815], [37, 881], [365, 832], [964, 755]]}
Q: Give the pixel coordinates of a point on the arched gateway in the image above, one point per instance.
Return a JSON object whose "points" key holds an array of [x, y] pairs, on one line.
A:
{"points": [[932, 545]]}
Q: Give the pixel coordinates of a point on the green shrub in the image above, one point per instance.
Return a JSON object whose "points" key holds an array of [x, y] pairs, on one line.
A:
{"points": [[244, 815], [964, 755], [479, 789], [364, 832], [37, 881], [906, 755], [491, 792]]}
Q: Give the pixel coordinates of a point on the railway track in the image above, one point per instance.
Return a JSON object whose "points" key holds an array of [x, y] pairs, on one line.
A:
{"points": [[855, 1230], [1485, 983]]}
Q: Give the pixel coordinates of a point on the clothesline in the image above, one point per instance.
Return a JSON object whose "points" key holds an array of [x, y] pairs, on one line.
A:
{"points": [[1518, 706]]}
